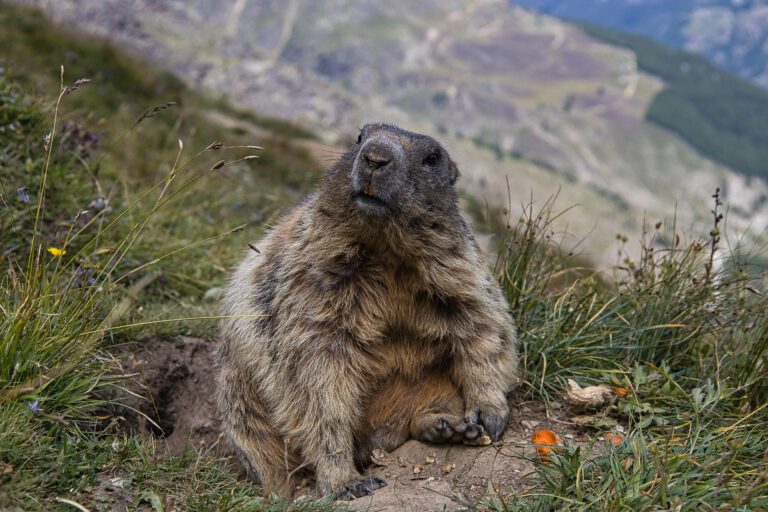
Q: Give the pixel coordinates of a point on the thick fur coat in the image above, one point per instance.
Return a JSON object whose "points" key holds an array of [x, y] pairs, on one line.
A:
{"points": [[368, 318]]}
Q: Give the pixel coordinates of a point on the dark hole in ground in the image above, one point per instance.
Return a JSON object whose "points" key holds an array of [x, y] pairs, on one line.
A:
{"points": [[163, 405], [172, 393]]}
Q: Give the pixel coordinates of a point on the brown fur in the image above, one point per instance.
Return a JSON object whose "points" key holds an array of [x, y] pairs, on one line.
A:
{"points": [[364, 322]]}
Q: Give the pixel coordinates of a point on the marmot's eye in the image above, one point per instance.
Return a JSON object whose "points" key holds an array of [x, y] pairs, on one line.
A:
{"points": [[360, 138], [432, 159]]}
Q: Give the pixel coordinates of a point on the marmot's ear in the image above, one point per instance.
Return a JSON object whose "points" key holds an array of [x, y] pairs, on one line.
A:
{"points": [[453, 172]]}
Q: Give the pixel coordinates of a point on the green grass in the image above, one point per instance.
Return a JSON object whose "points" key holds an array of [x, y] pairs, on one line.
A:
{"points": [[103, 154], [689, 341], [720, 114]]}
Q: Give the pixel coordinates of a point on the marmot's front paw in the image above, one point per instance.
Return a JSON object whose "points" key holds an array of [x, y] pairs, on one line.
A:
{"points": [[359, 488], [494, 419]]}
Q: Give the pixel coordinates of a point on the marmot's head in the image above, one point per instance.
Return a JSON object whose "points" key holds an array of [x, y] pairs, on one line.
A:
{"points": [[393, 173]]}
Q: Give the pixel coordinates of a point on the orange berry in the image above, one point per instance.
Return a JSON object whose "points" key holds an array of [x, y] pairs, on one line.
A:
{"points": [[545, 440]]}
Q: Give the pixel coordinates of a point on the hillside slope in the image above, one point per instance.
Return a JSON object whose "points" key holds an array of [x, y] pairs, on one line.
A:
{"points": [[514, 95], [720, 114], [731, 33]]}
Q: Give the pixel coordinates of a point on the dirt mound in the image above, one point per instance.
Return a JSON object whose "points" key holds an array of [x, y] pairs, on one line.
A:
{"points": [[174, 394]]}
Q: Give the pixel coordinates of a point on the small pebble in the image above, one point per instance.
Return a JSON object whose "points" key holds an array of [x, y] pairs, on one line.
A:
{"points": [[379, 457], [530, 424]]}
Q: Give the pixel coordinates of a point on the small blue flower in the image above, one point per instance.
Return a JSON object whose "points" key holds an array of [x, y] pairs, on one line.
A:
{"points": [[35, 406], [22, 192], [83, 276], [98, 204]]}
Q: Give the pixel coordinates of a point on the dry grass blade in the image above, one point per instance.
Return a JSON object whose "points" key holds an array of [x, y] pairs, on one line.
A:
{"points": [[78, 83], [152, 112]]}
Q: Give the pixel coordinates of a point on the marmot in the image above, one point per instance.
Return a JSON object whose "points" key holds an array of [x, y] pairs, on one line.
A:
{"points": [[368, 318]]}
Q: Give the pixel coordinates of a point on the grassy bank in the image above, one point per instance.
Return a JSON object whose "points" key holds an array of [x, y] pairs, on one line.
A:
{"points": [[685, 337], [104, 155]]}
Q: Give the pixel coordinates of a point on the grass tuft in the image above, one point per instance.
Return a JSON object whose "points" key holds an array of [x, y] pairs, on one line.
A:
{"points": [[92, 256], [685, 335]]}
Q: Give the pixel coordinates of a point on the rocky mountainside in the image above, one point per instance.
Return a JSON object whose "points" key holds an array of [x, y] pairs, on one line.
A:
{"points": [[731, 33], [528, 105]]}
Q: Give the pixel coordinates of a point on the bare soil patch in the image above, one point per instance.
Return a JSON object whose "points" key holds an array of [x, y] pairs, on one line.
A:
{"points": [[427, 477]]}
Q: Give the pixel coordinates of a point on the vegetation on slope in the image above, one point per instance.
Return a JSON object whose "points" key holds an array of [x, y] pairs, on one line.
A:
{"points": [[723, 116], [716, 27], [688, 342], [104, 155]]}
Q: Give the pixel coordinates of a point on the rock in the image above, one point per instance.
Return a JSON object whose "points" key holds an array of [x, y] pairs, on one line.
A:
{"points": [[590, 396], [380, 458]]}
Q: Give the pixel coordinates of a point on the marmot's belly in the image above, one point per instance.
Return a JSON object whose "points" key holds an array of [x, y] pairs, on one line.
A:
{"points": [[410, 358]]}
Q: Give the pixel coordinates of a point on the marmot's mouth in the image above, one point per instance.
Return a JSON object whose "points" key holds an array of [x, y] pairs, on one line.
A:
{"points": [[371, 203]]}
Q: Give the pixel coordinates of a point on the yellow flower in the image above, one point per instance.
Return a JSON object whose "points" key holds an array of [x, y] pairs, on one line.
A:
{"points": [[56, 252]]}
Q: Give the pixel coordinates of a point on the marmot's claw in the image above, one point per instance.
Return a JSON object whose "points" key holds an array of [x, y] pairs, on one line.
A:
{"points": [[442, 431], [473, 431], [359, 488], [494, 419], [494, 424]]}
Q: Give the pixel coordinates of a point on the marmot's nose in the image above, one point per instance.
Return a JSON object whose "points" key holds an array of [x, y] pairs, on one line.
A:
{"points": [[377, 156]]}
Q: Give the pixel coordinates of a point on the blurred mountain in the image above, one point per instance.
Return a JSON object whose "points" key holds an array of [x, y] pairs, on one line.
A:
{"points": [[528, 105], [731, 33]]}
